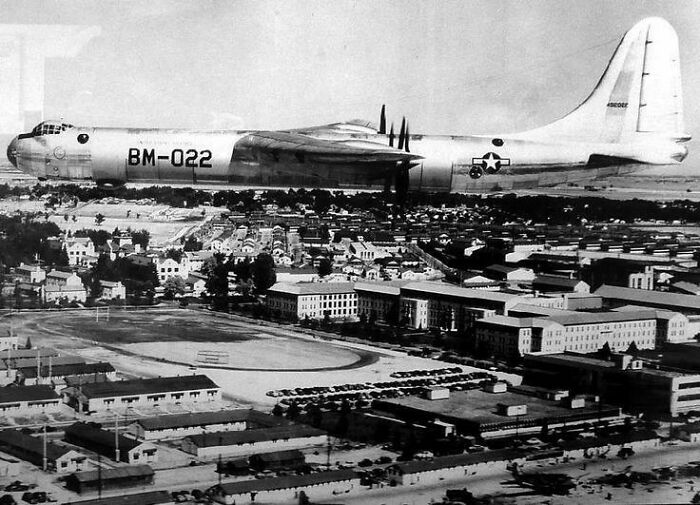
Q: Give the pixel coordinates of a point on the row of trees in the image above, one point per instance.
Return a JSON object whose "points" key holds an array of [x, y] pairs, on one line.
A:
{"points": [[541, 208]]}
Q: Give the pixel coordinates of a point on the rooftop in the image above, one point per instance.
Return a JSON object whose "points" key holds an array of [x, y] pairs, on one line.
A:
{"points": [[647, 297], [194, 419], [478, 406], [148, 386], [115, 473], [292, 481], [253, 436], [13, 394], [313, 288], [148, 498], [439, 288]]}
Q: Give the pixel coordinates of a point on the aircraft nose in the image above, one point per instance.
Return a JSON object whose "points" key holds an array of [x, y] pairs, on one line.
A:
{"points": [[12, 152]]}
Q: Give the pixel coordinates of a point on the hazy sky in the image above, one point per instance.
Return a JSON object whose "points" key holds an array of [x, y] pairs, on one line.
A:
{"points": [[450, 66]]}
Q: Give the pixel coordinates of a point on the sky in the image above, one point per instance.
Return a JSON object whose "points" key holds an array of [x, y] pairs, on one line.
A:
{"points": [[450, 67]]}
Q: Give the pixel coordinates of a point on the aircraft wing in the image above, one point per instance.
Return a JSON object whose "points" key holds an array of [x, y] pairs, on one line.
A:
{"points": [[352, 126], [274, 146]]}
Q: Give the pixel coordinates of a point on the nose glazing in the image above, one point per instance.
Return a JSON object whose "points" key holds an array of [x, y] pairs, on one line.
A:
{"points": [[12, 152]]}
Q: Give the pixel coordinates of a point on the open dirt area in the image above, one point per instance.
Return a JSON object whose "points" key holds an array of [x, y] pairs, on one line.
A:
{"points": [[249, 358]]}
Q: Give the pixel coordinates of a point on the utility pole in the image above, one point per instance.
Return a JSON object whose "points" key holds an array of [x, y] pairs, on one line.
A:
{"points": [[38, 365], [44, 459], [99, 476], [116, 437]]}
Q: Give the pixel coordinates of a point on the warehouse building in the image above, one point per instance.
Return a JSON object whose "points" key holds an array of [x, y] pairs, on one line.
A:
{"points": [[58, 458], [105, 396], [316, 486], [28, 400], [453, 467], [622, 380], [183, 425], [148, 498], [111, 478], [106, 443], [243, 443], [502, 413], [56, 372]]}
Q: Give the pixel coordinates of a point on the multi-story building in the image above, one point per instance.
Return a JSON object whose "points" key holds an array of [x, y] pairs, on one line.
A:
{"points": [[167, 267], [314, 300], [379, 300], [63, 286], [80, 250], [437, 305], [568, 331], [622, 380], [30, 274]]}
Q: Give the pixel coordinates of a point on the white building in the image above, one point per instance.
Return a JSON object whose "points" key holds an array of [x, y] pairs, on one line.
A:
{"points": [[80, 250], [314, 300], [63, 286], [112, 290]]}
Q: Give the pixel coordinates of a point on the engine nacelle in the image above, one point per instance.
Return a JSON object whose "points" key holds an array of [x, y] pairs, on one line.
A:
{"points": [[110, 184]]}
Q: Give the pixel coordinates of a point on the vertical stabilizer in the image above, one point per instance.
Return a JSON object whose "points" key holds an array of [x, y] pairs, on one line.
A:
{"points": [[639, 95]]}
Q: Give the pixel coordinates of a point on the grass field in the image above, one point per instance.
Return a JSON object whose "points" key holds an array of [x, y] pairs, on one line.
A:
{"points": [[136, 327]]}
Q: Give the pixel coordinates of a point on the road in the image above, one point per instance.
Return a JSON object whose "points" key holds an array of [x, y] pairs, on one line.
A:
{"points": [[497, 484]]}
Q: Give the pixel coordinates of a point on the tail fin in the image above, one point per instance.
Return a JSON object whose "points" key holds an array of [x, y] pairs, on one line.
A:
{"points": [[638, 95]]}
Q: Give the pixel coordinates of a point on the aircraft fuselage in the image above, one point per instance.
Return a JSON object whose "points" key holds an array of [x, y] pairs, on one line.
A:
{"points": [[115, 156]]}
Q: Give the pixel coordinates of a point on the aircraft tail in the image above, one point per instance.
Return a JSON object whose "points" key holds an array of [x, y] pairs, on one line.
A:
{"points": [[639, 95]]}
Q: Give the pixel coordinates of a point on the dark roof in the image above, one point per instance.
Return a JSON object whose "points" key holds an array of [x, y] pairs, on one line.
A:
{"points": [[252, 436], [105, 438], [193, 419], [292, 481], [68, 369], [28, 444], [553, 280], [146, 386], [275, 457], [114, 473], [11, 394], [149, 498], [456, 460]]}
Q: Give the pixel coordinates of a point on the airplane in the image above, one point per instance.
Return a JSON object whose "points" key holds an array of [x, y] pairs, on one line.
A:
{"points": [[632, 119]]}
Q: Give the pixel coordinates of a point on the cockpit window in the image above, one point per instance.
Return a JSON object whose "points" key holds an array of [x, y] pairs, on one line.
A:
{"points": [[50, 128]]}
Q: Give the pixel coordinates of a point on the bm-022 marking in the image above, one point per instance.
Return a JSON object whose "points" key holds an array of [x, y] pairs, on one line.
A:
{"points": [[192, 158]]}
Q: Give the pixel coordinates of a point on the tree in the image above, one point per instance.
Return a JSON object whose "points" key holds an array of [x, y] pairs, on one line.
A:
{"points": [[277, 410], [216, 271], [99, 219], [173, 286], [141, 237], [174, 254], [192, 244], [605, 352], [633, 349], [264, 275], [324, 267]]}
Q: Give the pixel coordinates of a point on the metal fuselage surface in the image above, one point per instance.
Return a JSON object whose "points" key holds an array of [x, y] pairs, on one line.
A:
{"points": [[115, 156]]}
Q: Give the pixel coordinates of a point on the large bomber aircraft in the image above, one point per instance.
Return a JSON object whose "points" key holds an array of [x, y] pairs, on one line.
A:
{"points": [[632, 119]]}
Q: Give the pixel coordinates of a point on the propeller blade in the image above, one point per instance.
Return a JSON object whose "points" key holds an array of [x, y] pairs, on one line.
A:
{"points": [[401, 133], [406, 138], [391, 136], [382, 121]]}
